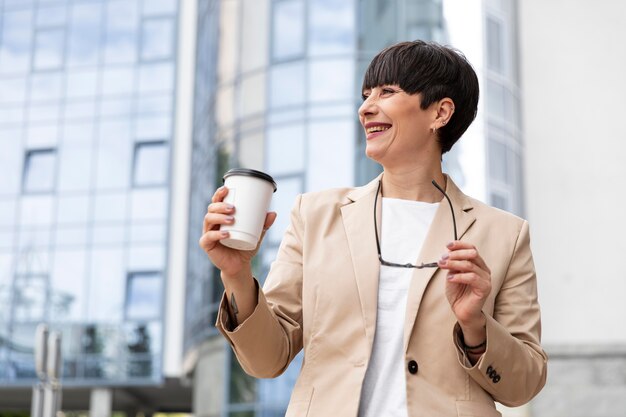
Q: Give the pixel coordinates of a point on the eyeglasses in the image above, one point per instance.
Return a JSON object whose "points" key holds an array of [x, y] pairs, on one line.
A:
{"points": [[409, 265]]}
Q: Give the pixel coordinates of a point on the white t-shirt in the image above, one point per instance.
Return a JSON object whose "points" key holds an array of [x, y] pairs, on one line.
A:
{"points": [[403, 230]]}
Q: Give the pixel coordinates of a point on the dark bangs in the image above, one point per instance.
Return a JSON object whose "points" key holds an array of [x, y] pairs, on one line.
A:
{"points": [[417, 67]]}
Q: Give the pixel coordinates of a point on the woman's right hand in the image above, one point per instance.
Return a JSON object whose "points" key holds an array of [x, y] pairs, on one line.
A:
{"points": [[231, 262]]}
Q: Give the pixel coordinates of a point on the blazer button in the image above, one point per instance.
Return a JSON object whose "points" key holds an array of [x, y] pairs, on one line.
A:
{"points": [[412, 367]]}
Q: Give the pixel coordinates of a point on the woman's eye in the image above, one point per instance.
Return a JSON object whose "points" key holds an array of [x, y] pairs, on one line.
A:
{"points": [[388, 91], [364, 96]]}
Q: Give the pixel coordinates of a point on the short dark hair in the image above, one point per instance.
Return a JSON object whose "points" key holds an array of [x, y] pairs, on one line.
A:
{"points": [[435, 71]]}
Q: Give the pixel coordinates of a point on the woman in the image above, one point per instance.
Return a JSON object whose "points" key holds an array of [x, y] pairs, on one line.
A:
{"points": [[408, 297]]}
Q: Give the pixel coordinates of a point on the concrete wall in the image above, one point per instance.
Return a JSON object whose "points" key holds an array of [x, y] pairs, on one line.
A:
{"points": [[572, 67]]}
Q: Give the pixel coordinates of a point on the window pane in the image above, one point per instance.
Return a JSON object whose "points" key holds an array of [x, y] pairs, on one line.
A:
{"points": [[148, 204], [287, 82], [81, 83], [158, 7], [111, 207], [253, 94], [331, 80], [42, 136], [494, 45], [29, 297], [121, 32], [68, 285], [39, 170], [331, 27], [118, 81], [12, 90], [84, 37], [285, 146], [51, 16], [143, 299], [11, 157], [282, 202], [157, 39], [146, 257], [156, 78], [106, 285], [49, 49], [331, 151], [288, 29], [16, 41], [114, 155], [499, 201], [151, 164], [75, 168], [46, 86], [73, 209], [497, 161], [157, 126]]}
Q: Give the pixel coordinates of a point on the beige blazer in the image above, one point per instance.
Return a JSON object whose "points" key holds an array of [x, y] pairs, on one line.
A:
{"points": [[321, 295]]}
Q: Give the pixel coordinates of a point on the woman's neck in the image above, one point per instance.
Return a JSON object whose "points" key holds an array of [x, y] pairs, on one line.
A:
{"points": [[414, 183]]}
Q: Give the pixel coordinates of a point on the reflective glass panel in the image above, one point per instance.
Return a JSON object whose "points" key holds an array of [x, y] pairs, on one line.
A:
{"points": [[72, 237], [46, 86], [44, 113], [149, 204], [251, 150], [109, 234], [154, 232], [51, 15], [118, 81], [156, 77], [107, 284], [121, 31], [72, 209], [17, 38], [331, 80], [286, 148], [39, 170], [282, 202], [151, 164], [111, 207], [36, 210], [497, 161], [288, 29], [29, 300], [331, 27], [157, 126], [8, 210], [254, 34], [84, 34], [159, 7], [12, 90], [39, 136], [143, 296], [68, 285], [287, 84], [11, 157], [49, 49], [495, 58], [157, 39], [252, 98], [114, 155], [331, 152], [76, 167], [146, 257], [80, 84]]}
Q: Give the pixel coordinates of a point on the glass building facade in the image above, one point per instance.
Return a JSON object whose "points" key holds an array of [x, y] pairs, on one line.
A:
{"points": [[86, 115]]}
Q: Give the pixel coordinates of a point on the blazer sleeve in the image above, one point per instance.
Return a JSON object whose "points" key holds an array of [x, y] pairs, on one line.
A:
{"points": [[267, 341], [513, 368]]}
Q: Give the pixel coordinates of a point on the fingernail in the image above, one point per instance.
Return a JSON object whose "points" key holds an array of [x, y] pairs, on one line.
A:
{"points": [[450, 276], [230, 218], [445, 256], [449, 245], [229, 207], [443, 262], [224, 234]]}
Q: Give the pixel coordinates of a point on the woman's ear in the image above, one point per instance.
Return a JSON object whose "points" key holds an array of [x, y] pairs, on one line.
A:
{"points": [[445, 110]]}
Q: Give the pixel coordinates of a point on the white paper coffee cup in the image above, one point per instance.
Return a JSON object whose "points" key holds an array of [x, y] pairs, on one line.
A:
{"points": [[250, 192]]}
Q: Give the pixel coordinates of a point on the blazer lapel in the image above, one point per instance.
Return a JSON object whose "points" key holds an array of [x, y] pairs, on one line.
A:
{"points": [[439, 235], [358, 221]]}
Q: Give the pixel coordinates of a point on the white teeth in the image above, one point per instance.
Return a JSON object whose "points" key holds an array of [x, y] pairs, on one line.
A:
{"points": [[377, 129]]}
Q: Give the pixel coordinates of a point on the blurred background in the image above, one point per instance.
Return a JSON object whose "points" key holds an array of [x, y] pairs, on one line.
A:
{"points": [[119, 117]]}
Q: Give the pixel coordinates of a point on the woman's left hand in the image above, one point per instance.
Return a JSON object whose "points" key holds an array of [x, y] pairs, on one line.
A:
{"points": [[468, 283]]}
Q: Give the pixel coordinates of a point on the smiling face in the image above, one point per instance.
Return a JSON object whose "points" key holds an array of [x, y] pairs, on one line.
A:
{"points": [[397, 129]]}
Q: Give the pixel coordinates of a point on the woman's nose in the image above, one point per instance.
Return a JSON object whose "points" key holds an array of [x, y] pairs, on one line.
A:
{"points": [[368, 107]]}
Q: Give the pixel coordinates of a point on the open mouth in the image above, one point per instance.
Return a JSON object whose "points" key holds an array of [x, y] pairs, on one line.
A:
{"points": [[372, 129]]}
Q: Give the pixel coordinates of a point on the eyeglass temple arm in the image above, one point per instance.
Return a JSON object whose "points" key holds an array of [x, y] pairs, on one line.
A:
{"points": [[451, 209]]}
